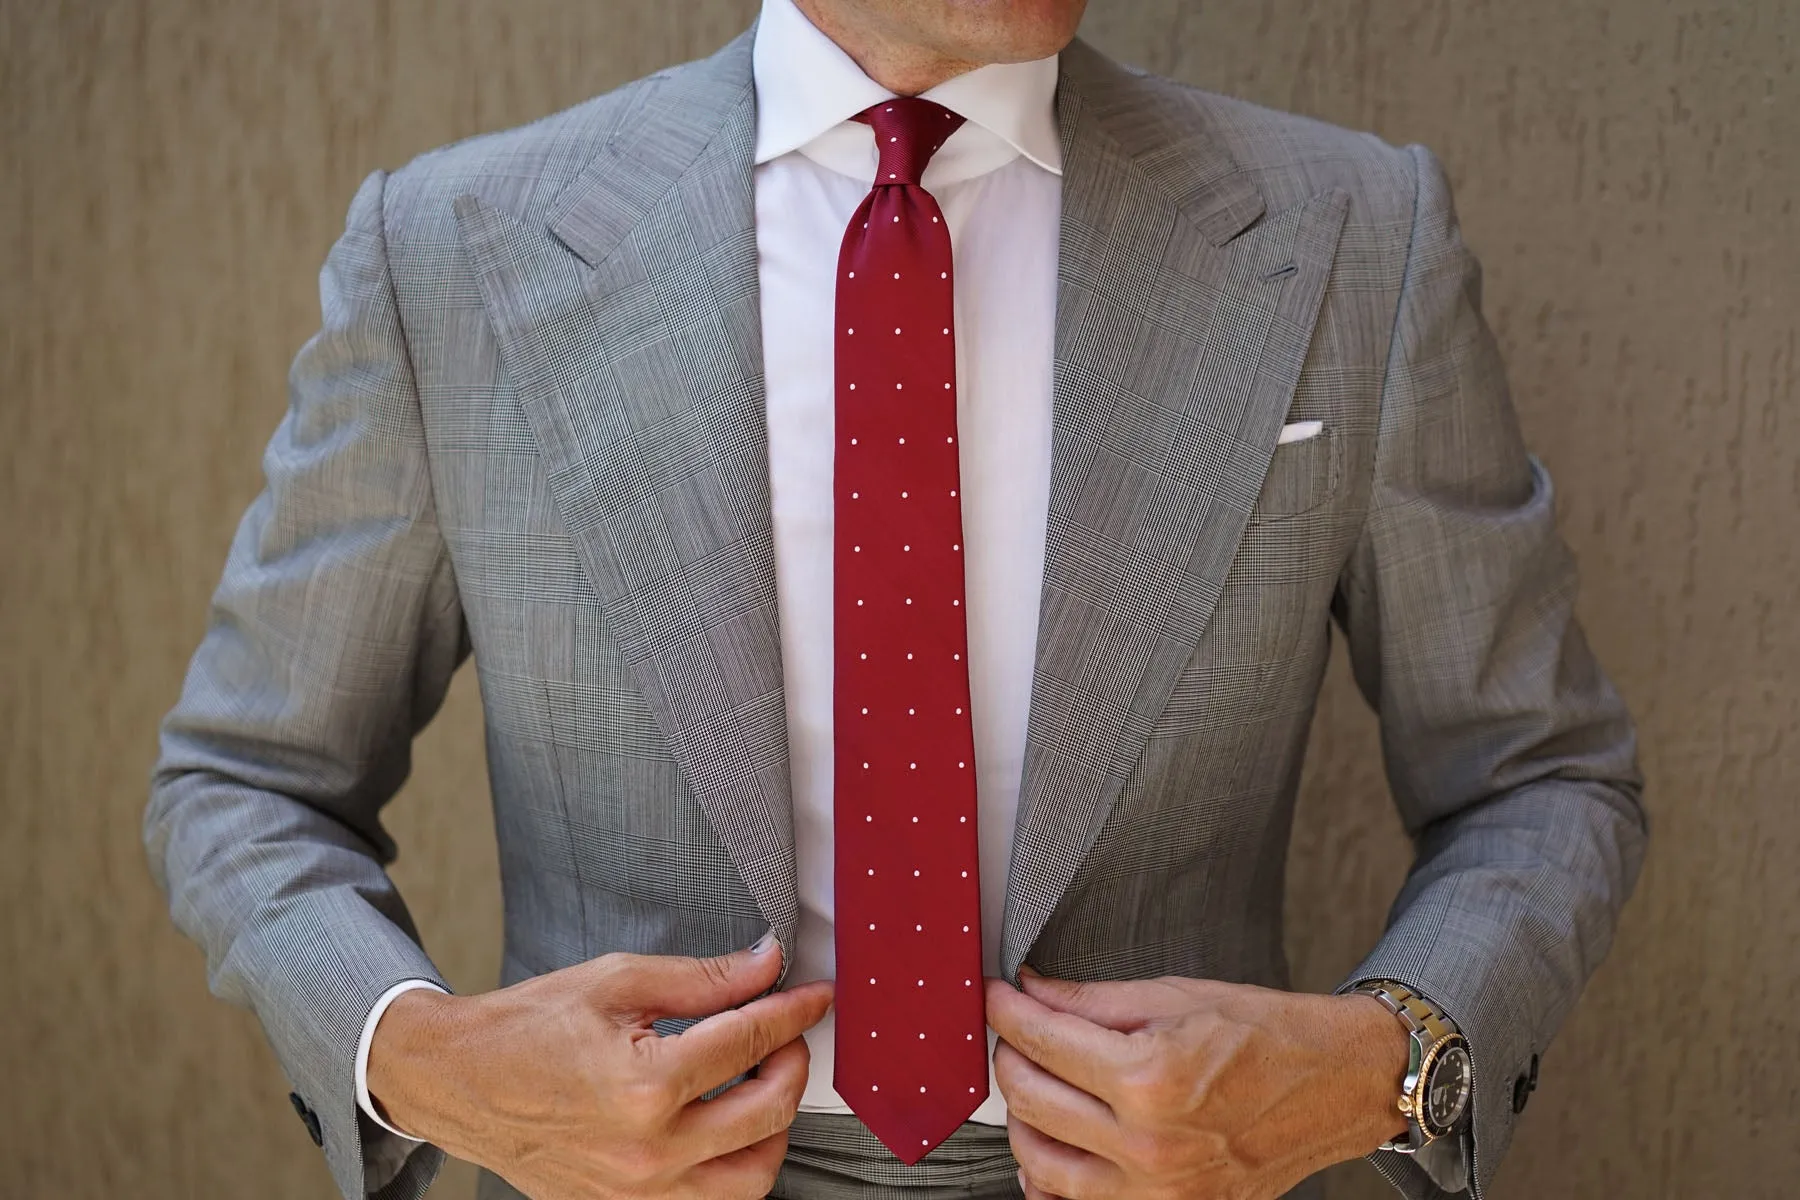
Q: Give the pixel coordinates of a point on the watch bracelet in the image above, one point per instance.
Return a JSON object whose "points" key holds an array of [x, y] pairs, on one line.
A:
{"points": [[1414, 1010]]}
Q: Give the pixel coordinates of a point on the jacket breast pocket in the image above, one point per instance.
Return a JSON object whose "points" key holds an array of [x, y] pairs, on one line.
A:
{"points": [[1302, 476]]}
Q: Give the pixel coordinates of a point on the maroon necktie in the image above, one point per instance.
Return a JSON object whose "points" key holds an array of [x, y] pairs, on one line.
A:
{"points": [[911, 1049]]}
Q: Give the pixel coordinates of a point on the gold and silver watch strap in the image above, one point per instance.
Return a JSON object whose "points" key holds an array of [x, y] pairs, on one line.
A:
{"points": [[1428, 1030], [1414, 1011]]}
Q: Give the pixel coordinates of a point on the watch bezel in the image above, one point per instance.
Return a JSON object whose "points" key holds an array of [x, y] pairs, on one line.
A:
{"points": [[1419, 1095]]}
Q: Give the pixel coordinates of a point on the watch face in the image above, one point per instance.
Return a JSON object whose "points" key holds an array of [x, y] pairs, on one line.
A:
{"points": [[1448, 1094]]}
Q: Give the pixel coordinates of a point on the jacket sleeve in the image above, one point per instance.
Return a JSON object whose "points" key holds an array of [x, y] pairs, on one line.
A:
{"points": [[330, 642], [1511, 758]]}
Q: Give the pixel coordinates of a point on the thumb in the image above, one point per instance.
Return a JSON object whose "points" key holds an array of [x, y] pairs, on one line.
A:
{"points": [[651, 986]]}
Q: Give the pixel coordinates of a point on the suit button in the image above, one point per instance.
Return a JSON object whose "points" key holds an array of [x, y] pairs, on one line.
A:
{"points": [[308, 1117], [1524, 1085]]}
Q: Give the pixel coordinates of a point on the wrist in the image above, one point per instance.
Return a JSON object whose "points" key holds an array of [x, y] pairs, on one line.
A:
{"points": [[405, 1052]]}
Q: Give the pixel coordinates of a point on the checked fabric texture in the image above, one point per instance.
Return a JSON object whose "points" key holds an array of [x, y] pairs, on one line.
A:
{"points": [[911, 1048]]}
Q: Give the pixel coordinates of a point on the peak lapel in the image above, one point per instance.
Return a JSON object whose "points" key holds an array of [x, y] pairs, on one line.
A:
{"points": [[1182, 324], [632, 331]]}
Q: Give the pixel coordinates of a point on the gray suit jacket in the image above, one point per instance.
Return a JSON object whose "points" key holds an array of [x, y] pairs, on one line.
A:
{"points": [[532, 427]]}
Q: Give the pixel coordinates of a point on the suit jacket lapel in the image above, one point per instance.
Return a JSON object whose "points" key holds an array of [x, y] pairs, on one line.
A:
{"points": [[632, 332], [1180, 334]]}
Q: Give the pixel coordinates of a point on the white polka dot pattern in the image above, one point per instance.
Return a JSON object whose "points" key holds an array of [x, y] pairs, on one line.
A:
{"points": [[906, 876]]}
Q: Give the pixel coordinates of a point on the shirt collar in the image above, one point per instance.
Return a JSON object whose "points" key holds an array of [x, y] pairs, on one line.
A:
{"points": [[806, 86]]}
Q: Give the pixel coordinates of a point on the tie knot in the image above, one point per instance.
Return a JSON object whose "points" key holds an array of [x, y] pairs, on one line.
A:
{"points": [[908, 131]]}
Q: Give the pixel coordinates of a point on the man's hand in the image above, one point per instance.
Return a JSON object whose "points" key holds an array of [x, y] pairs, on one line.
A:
{"points": [[1189, 1088], [559, 1085]]}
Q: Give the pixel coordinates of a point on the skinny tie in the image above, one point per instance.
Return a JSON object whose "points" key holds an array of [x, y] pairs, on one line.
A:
{"points": [[911, 1048]]}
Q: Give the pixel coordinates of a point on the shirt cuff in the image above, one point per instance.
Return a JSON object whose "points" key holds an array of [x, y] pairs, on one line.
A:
{"points": [[362, 1050], [1446, 1160]]}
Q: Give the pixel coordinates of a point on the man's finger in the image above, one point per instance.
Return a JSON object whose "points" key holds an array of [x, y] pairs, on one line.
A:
{"points": [[704, 1055], [749, 1112], [645, 987], [1047, 1103], [1072, 1048], [1125, 1005], [1061, 1169], [745, 1172]]}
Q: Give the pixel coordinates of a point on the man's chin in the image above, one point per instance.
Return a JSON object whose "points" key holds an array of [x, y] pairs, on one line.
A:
{"points": [[1020, 37]]}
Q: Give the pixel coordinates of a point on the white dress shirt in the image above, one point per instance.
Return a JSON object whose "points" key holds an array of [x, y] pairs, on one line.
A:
{"points": [[997, 180]]}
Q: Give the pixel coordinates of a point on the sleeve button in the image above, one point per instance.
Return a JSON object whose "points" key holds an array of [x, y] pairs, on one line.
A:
{"points": [[308, 1117], [1524, 1085]]}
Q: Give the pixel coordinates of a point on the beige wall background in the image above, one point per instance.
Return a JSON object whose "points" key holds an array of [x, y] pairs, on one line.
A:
{"points": [[175, 170]]}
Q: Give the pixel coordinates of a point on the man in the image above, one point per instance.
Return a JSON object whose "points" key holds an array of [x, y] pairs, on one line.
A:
{"points": [[605, 401]]}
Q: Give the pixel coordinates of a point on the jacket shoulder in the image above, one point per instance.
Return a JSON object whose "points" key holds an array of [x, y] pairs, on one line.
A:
{"points": [[523, 168], [1292, 157]]}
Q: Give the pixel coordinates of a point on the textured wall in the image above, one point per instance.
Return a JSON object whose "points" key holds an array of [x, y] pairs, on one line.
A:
{"points": [[174, 171]]}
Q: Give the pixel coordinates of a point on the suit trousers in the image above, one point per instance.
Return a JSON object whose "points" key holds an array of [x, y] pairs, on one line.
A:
{"points": [[833, 1156]]}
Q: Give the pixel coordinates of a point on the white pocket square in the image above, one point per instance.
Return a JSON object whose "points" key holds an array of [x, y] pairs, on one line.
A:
{"points": [[1299, 431]]}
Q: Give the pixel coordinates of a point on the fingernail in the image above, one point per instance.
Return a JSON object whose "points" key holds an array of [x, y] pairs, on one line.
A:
{"points": [[763, 943], [1025, 970]]}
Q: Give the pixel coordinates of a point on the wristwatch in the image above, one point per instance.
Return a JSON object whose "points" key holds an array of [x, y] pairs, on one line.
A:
{"points": [[1434, 1096]]}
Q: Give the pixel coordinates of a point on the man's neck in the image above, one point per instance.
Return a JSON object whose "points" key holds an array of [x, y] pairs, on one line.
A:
{"points": [[904, 68]]}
